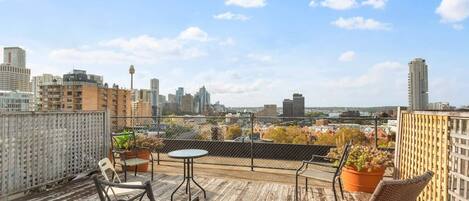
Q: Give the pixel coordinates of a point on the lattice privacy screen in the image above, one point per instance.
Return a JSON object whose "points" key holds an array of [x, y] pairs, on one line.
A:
{"points": [[39, 148]]}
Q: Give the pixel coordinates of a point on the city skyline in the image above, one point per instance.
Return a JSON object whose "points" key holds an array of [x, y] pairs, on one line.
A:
{"points": [[366, 65]]}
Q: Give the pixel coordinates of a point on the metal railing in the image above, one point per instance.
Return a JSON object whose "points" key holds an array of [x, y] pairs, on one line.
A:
{"points": [[37, 149], [248, 140]]}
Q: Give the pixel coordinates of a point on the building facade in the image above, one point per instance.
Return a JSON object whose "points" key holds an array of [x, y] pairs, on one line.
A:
{"points": [[439, 106], [418, 84], [171, 98], [82, 76], [287, 107], [15, 101], [179, 95], [294, 107], [14, 56], [14, 76], [268, 111], [187, 104], [155, 92], [298, 105], [44, 79], [202, 101], [79, 94], [161, 99]]}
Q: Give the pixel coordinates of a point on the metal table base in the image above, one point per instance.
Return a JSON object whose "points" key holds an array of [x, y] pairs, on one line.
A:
{"points": [[188, 176]]}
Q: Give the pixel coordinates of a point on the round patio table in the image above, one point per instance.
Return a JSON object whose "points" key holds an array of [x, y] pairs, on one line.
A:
{"points": [[188, 156]]}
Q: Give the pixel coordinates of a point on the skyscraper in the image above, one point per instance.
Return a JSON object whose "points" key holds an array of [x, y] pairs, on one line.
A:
{"points": [[179, 94], [14, 56], [418, 84], [298, 105], [155, 91], [295, 107], [287, 108], [202, 100], [14, 76]]}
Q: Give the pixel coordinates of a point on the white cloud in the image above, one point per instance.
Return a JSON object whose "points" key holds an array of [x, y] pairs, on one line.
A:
{"points": [[91, 56], [377, 76], [247, 3], [458, 27], [227, 42], [140, 49], [339, 4], [312, 3], [349, 4], [453, 10], [260, 57], [231, 16], [360, 23], [194, 33], [378, 4], [230, 81], [347, 56], [223, 87]]}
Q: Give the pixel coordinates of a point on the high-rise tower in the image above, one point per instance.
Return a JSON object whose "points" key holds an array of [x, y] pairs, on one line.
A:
{"points": [[418, 84], [155, 91], [14, 76]]}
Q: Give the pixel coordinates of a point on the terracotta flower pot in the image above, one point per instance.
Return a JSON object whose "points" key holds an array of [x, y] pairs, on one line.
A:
{"points": [[362, 181]]}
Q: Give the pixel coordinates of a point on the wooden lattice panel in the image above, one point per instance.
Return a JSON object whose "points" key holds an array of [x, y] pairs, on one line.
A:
{"points": [[459, 159], [423, 145], [40, 148]]}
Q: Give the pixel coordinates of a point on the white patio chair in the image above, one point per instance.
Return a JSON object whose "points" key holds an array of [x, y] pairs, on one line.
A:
{"points": [[106, 165]]}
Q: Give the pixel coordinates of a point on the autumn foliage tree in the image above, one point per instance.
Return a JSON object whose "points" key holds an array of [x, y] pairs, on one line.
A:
{"points": [[233, 132], [287, 135], [342, 136]]}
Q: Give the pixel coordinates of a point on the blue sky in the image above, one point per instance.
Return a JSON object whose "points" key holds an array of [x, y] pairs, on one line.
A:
{"points": [[252, 52]]}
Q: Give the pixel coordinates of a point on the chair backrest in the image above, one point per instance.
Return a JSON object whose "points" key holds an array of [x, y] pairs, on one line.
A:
{"points": [[102, 186], [105, 165], [343, 159], [401, 190]]}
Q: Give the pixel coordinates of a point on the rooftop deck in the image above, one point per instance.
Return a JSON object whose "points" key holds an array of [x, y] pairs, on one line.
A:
{"points": [[221, 183]]}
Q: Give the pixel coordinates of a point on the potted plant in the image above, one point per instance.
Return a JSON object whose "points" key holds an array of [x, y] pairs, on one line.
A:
{"points": [[364, 168], [142, 146]]}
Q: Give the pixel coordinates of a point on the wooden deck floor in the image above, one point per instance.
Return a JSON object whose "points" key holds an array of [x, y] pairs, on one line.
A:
{"points": [[222, 189]]}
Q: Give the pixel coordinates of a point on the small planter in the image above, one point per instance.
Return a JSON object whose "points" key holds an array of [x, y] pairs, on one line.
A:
{"points": [[143, 154], [362, 181]]}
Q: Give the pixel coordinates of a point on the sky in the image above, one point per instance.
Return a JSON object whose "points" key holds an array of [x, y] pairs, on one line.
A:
{"points": [[252, 52]]}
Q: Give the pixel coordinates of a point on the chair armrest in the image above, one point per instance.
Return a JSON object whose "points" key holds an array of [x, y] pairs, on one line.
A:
{"points": [[120, 185], [322, 157], [119, 151]]}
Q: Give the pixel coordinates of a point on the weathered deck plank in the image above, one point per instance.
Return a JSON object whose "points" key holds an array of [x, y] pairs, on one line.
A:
{"points": [[217, 189]]}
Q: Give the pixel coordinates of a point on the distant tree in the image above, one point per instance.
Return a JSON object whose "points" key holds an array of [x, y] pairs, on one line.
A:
{"points": [[347, 134], [342, 136], [325, 138], [316, 114], [174, 130], [233, 132], [215, 134], [287, 135]]}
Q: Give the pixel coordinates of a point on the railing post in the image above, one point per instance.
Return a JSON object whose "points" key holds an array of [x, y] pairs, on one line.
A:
{"points": [[252, 141], [376, 131], [158, 134]]}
